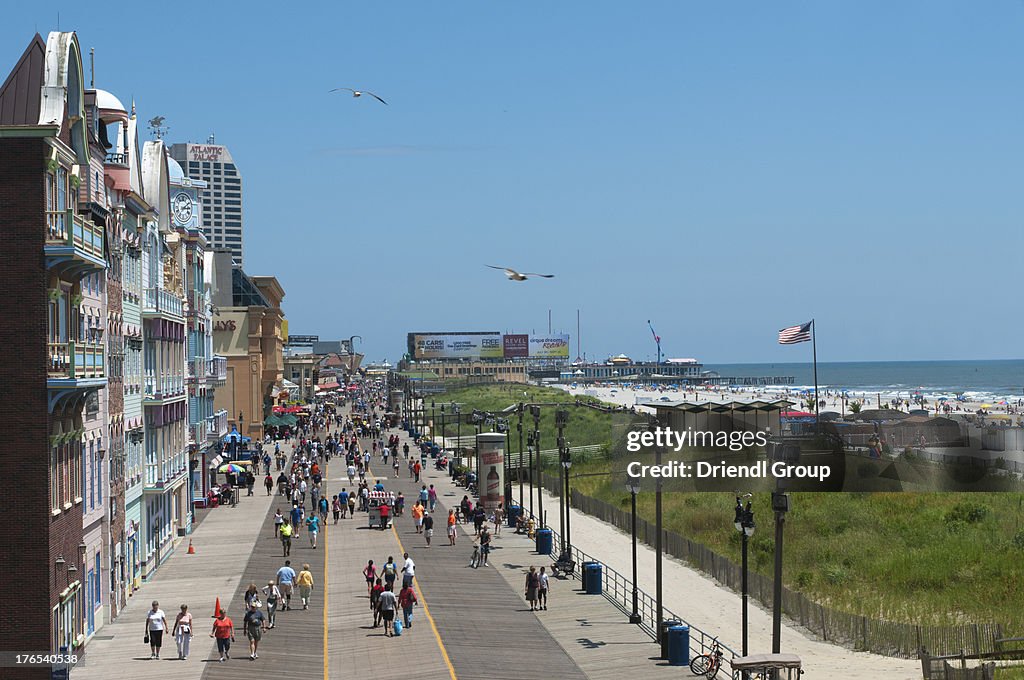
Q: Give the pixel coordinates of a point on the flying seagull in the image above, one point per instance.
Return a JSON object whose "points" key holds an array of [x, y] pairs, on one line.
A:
{"points": [[359, 93], [513, 275]]}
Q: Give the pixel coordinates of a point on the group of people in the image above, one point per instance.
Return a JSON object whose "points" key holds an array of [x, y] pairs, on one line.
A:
{"points": [[384, 603]]}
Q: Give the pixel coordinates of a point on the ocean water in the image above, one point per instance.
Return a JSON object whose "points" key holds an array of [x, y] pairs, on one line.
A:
{"points": [[976, 380]]}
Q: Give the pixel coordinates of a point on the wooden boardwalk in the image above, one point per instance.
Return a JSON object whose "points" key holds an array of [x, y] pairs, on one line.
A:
{"points": [[472, 623], [295, 647]]}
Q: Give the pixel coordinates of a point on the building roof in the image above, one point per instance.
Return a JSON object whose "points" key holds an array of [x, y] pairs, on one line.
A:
{"points": [[20, 93], [719, 407]]}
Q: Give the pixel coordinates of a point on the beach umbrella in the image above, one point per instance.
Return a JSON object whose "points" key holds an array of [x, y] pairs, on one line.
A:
{"points": [[986, 405], [231, 467]]}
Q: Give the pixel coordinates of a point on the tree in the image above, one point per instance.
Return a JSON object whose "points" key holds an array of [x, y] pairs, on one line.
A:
{"points": [[855, 407]]}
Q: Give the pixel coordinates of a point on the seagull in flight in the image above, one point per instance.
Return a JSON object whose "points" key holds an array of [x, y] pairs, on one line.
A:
{"points": [[513, 275], [359, 93]]}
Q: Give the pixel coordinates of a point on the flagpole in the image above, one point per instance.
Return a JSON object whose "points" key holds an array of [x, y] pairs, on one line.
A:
{"points": [[814, 354]]}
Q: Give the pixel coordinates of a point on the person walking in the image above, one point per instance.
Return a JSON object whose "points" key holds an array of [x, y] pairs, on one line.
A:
{"points": [[352, 505], [268, 482], [428, 526], [542, 589], [252, 594], [273, 596], [370, 573], [499, 517], [395, 465], [407, 600], [387, 603], [385, 515], [286, 581], [451, 527], [390, 571], [417, 468], [485, 546], [313, 529], [324, 505], [278, 521], [532, 585], [296, 517], [182, 631], [336, 506], [375, 592], [305, 583], [432, 497], [424, 496], [286, 539], [224, 631], [417, 516], [254, 623], [408, 571], [156, 624]]}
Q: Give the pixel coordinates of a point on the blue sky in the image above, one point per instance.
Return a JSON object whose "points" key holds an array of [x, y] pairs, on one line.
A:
{"points": [[722, 168]]}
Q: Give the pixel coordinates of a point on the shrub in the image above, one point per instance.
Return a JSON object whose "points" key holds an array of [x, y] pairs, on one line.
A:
{"points": [[967, 512]]}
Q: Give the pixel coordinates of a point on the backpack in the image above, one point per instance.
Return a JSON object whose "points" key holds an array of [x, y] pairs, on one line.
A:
{"points": [[389, 569]]}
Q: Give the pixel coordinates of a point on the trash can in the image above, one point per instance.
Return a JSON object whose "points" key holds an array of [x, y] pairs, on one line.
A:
{"points": [[513, 514], [679, 646], [544, 541], [665, 625], [592, 578]]}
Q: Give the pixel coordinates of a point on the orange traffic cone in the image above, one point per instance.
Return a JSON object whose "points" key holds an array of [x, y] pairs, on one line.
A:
{"points": [[216, 609], [191, 550]]}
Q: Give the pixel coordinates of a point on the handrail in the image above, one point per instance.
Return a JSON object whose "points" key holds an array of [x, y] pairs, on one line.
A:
{"points": [[619, 591]]}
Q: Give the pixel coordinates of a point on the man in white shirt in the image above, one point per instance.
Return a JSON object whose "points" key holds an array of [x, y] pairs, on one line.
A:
{"points": [[408, 571]]}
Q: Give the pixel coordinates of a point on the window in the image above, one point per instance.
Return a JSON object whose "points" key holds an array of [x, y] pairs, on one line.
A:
{"points": [[232, 202]]}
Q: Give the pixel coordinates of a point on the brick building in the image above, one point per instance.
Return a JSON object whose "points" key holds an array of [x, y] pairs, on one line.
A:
{"points": [[53, 362]]}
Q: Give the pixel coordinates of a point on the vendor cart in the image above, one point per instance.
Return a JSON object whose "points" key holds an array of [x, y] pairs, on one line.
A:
{"points": [[767, 666], [376, 498]]}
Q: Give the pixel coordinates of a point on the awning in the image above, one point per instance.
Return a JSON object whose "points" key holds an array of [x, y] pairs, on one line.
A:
{"points": [[328, 386]]}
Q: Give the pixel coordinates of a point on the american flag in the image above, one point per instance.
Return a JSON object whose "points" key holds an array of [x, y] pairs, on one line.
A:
{"points": [[795, 334]]}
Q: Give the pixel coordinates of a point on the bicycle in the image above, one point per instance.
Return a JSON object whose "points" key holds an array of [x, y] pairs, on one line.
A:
{"points": [[709, 664]]}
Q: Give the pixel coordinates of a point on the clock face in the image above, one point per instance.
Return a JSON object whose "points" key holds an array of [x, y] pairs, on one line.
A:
{"points": [[181, 207]]}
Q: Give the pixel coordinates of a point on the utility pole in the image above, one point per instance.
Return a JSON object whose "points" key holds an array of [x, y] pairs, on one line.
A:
{"points": [[535, 412]]}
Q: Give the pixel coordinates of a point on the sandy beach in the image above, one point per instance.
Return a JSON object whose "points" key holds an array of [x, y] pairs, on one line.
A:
{"points": [[716, 610], [626, 395]]}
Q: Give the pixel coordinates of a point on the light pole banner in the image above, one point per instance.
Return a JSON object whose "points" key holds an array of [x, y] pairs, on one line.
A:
{"points": [[490, 468]]}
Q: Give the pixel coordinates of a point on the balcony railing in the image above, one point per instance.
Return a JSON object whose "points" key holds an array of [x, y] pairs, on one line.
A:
{"points": [[75, 360], [217, 425], [217, 368], [67, 228], [160, 301], [163, 386], [197, 369], [197, 432]]}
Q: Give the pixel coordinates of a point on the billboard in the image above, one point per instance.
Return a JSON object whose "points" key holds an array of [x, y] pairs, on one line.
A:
{"points": [[457, 346], [516, 346], [549, 346], [488, 345]]}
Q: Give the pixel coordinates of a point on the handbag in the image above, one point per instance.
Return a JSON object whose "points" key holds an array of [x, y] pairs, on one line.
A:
{"points": [[146, 638]]}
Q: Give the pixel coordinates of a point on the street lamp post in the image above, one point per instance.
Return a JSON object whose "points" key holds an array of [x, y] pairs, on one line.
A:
{"points": [[535, 412], [443, 447], [458, 417], [432, 419], [633, 485], [780, 505], [519, 465], [744, 523], [658, 571], [561, 420]]}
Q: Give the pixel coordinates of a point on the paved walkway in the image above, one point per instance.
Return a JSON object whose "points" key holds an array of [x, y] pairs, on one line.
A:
{"points": [[715, 609], [478, 621], [223, 541]]}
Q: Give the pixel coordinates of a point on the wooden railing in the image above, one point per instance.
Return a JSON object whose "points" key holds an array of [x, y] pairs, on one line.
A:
{"points": [[75, 360], [67, 228]]}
